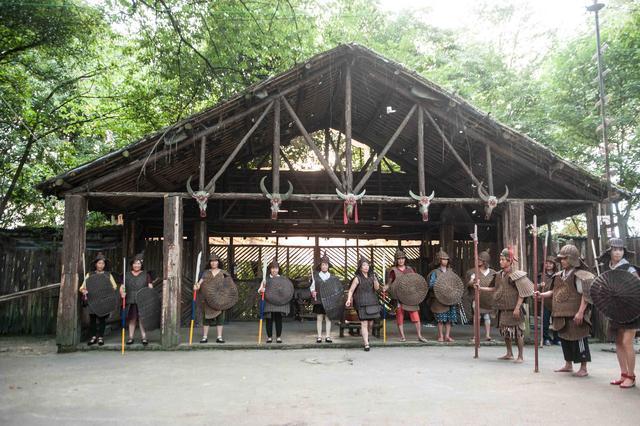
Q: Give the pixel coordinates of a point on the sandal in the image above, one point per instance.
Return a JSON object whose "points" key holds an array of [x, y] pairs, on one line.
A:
{"points": [[619, 381], [130, 342], [145, 342], [367, 348], [92, 341], [100, 341], [219, 340], [422, 339], [318, 339], [631, 377], [328, 340], [204, 340], [402, 339]]}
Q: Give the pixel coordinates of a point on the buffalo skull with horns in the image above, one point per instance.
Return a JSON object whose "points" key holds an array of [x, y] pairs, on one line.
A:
{"points": [[491, 200], [276, 199], [350, 204], [423, 203], [201, 197]]}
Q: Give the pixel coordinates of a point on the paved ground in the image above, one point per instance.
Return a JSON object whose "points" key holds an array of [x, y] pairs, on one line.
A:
{"points": [[421, 385]]}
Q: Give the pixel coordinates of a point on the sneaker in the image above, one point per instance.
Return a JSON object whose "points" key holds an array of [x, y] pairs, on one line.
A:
{"points": [[547, 342]]}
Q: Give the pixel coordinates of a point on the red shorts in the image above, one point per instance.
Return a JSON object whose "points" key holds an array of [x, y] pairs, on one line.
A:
{"points": [[414, 316]]}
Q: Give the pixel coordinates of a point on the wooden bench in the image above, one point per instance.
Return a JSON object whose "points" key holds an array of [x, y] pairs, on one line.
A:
{"points": [[354, 328]]}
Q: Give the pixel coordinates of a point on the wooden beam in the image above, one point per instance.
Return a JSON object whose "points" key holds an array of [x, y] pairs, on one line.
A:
{"points": [[129, 234], [73, 247], [203, 151], [421, 183], [172, 271], [221, 170], [384, 151], [330, 198], [452, 149], [19, 294], [311, 144], [487, 150], [275, 156], [347, 126]]}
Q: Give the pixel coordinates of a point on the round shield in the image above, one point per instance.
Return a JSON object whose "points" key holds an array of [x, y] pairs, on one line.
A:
{"points": [[278, 291], [409, 289], [101, 297], [449, 288], [220, 292], [486, 297], [332, 297], [149, 307], [616, 294]]}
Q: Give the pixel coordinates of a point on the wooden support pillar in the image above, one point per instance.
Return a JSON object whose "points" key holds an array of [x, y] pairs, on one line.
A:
{"points": [[347, 128], [275, 157], [592, 235], [231, 258], [513, 231], [514, 237], [200, 243], [73, 246], [599, 321], [129, 238], [446, 238], [316, 250], [172, 268]]}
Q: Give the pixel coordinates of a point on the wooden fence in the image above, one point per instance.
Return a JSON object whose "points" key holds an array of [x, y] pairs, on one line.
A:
{"points": [[30, 260]]}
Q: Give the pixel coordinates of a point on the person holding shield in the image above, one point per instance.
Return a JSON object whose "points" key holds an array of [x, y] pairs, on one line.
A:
{"points": [[135, 279]]}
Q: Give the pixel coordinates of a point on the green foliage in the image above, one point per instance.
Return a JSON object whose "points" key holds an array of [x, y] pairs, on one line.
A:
{"points": [[79, 80]]}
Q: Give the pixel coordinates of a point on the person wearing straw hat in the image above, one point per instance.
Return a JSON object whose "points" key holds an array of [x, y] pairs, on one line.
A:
{"points": [[445, 314], [136, 278], [211, 316], [549, 268], [571, 312], [320, 276], [484, 262], [364, 286], [400, 267], [101, 274], [617, 257], [508, 302]]}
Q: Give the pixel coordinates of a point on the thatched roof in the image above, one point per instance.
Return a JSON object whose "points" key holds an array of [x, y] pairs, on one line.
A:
{"points": [[315, 89]]}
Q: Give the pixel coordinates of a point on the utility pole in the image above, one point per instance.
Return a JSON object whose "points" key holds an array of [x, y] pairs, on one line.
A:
{"points": [[596, 7]]}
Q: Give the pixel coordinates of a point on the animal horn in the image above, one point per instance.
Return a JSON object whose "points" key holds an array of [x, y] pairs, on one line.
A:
{"points": [[361, 194], [264, 188], [414, 196], [506, 194], [189, 189], [340, 194], [288, 193], [482, 193], [433, 194]]}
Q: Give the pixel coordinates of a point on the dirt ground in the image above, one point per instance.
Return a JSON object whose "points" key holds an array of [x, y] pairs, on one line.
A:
{"points": [[422, 385]]}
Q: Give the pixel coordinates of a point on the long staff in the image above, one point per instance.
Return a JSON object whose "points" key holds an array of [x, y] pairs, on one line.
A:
{"points": [[264, 280], [384, 299], [124, 298], [544, 259], [535, 285], [193, 302], [476, 311]]}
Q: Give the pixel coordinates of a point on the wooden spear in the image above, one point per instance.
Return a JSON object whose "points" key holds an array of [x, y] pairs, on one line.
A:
{"points": [[476, 310]]}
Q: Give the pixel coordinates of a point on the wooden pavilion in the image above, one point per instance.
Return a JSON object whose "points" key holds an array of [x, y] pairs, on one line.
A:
{"points": [[420, 137]]}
